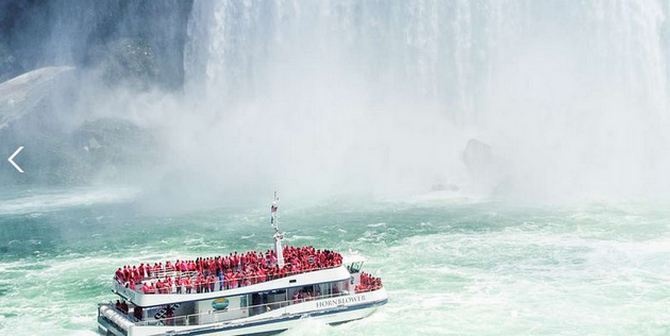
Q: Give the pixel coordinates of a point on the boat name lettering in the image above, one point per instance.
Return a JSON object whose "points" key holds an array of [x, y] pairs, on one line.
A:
{"points": [[339, 301]]}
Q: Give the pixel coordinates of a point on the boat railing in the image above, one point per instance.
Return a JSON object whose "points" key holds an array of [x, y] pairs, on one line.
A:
{"points": [[193, 319], [367, 289], [160, 275], [217, 285]]}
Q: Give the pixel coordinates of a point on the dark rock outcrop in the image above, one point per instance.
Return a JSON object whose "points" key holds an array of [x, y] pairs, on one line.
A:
{"points": [[35, 113], [36, 33]]}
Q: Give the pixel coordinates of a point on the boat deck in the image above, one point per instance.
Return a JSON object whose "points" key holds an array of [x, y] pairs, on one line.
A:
{"points": [[204, 275]]}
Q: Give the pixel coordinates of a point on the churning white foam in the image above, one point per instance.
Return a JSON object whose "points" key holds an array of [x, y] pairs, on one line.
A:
{"points": [[36, 202]]}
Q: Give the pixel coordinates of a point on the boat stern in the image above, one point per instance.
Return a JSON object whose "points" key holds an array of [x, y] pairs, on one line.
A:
{"points": [[113, 322]]}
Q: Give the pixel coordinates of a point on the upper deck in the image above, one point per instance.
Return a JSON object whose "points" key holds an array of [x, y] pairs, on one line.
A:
{"points": [[204, 278], [294, 280]]}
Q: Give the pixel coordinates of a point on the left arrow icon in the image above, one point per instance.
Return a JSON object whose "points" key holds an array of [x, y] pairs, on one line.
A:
{"points": [[11, 159]]}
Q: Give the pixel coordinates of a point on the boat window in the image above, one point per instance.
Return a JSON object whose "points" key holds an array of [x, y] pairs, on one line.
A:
{"points": [[339, 287], [324, 288]]}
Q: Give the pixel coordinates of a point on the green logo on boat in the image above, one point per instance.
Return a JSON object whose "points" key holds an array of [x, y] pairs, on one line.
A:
{"points": [[220, 304]]}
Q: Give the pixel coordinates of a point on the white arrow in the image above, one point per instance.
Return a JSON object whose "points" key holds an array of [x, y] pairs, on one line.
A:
{"points": [[11, 159]]}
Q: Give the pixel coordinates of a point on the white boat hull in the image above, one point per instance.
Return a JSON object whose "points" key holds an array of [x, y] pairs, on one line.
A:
{"points": [[327, 311]]}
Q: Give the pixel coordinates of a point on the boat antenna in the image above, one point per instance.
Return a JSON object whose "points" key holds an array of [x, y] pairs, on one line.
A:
{"points": [[278, 236]]}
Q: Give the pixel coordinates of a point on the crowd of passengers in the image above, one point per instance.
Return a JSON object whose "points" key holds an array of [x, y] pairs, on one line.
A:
{"points": [[218, 273], [368, 283]]}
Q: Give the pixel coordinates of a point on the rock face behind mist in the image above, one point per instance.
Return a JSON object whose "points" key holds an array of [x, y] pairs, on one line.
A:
{"points": [[29, 118], [126, 61], [36, 112], [21, 96], [7, 62], [35, 33], [116, 143]]}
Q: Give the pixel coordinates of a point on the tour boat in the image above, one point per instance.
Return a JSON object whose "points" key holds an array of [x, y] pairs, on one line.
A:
{"points": [[246, 294]]}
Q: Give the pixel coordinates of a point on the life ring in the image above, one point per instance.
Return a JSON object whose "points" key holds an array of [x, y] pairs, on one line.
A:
{"points": [[220, 304]]}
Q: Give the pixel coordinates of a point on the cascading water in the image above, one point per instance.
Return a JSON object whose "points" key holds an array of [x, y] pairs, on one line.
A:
{"points": [[447, 50], [524, 76], [435, 51]]}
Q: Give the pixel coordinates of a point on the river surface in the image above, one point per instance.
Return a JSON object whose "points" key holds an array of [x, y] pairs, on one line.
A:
{"points": [[451, 267]]}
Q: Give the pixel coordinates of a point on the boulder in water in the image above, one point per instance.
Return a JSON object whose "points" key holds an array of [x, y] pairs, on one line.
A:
{"points": [[477, 156], [483, 166]]}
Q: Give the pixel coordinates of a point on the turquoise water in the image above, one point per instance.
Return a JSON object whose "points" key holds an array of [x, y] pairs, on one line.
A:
{"points": [[452, 267]]}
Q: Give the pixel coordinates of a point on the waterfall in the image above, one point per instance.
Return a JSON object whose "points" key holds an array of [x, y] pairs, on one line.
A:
{"points": [[440, 51], [561, 90]]}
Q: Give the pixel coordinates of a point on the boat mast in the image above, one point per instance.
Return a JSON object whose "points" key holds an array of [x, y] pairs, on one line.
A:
{"points": [[278, 236]]}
